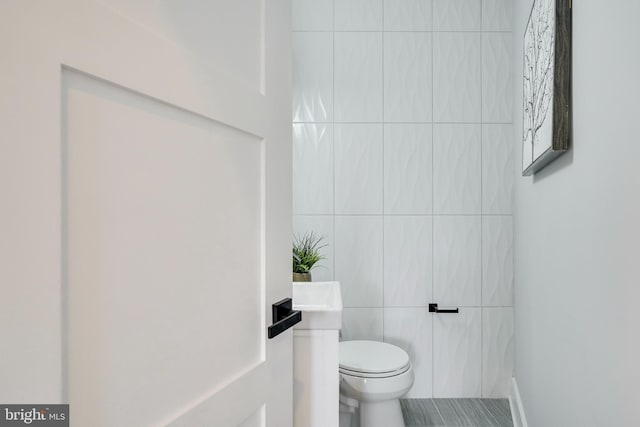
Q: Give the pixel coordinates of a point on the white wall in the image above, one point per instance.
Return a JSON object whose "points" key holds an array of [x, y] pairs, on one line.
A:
{"points": [[402, 160], [576, 235]]}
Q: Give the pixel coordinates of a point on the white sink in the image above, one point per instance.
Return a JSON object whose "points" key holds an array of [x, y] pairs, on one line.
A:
{"points": [[320, 303]]}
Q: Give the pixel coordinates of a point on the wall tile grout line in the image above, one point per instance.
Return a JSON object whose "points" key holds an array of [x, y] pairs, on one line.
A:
{"points": [[384, 284], [433, 372], [482, 254], [333, 118]]}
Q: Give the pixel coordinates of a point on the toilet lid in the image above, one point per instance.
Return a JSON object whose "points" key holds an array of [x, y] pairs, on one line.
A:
{"points": [[372, 357]]}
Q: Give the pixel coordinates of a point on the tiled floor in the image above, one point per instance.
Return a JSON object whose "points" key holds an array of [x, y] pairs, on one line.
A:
{"points": [[456, 412]]}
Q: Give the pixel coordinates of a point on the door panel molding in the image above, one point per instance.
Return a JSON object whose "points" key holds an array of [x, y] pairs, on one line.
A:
{"points": [[130, 165], [210, 409]]}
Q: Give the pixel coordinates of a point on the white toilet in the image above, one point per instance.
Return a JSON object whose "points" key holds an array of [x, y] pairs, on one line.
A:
{"points": [[373, 377]]}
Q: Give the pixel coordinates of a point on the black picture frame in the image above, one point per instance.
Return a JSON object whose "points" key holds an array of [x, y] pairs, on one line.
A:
{"points": [[546, 84]]}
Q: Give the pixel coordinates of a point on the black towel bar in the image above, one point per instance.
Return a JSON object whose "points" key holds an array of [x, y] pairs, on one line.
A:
{"points": [[433, 308]]}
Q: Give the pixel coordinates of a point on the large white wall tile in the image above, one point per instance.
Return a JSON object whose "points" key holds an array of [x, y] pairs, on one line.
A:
{"points": [[456, 15], [321, 225], [358, 15], [408, 166], [358, 77], [411, 330], [496, 78], [497, 260], [456, 77], [358, 168], [457, 169], [312, 15], [362, 324], [407, 260], [496, 15], [358, 260], [312, 169], [498, 147], [312, 64], [457, 260], [407, 77], [497, 349], [407, 15], [457, 354]]}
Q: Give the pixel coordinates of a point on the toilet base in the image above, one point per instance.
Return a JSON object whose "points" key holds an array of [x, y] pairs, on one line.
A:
{"points": [[386, 413]]}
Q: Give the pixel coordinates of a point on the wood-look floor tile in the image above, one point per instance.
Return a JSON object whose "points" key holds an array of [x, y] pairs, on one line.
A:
{"points": [[456, 412], [500, 410], [420, 413], [465, 412]]}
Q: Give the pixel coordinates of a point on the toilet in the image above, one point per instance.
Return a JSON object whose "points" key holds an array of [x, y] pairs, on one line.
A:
{"points": [[373, 377]]}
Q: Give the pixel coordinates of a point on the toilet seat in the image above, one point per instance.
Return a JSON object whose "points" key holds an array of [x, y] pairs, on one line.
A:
{"points": [[374, 375], [372, 359]]}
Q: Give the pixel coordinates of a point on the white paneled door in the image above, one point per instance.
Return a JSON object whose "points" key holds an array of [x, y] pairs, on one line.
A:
{"points": [[146, 210]]}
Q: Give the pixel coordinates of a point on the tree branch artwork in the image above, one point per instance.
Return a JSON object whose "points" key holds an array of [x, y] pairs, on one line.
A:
{"points": [[538, 69]]}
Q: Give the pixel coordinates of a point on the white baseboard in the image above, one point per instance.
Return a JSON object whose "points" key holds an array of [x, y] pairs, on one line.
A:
{"points": [[517, 411]]}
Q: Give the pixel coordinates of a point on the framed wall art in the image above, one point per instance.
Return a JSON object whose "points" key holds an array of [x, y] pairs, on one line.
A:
{"points": [[546, 84]]}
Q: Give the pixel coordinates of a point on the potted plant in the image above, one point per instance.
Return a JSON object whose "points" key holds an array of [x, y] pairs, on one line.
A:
{"points": [[306, 254]]}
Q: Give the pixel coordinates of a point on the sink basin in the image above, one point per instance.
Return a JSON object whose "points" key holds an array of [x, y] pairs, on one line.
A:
{"points": [[320, 303]]}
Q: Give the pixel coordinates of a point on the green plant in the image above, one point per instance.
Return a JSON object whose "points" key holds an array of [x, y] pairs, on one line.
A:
{"points": [[306, 252]]}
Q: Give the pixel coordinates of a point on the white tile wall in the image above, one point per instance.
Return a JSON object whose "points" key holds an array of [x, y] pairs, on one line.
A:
{"points": [[407, 261], [362, 324], [312, 168], [312, 15], [497, 351], [358, 15], [456, 15], [497, 169], [358, 260], [456, 77], [312, 85], [408, 165], [358, 173], [407, 15], [496, 15], [407, 77], [403, 144], [457, 252], [457, 354], [457, 169], [358, 77], [497, 261], [496, 78], [411, 329]]}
